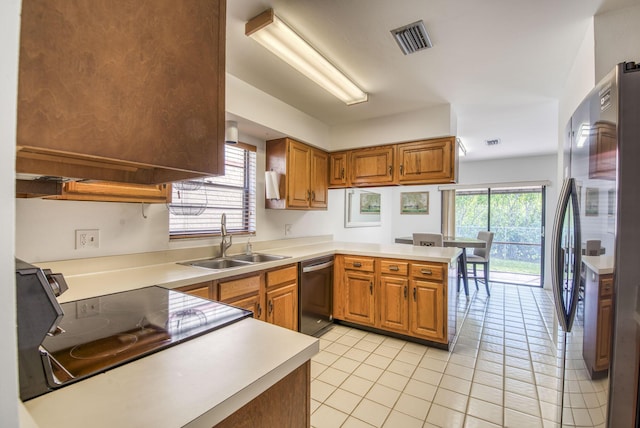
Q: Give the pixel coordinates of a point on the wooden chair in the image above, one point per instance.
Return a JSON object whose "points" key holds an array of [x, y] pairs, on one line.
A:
{"points": [[427, 239], [481, 256]]}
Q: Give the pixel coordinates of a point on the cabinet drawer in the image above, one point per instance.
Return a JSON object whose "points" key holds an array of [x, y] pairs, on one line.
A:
{"points": [[393, 267], [239, 287], [429, 271], [201, 289], [282, 276], [363, 264], [606, 286]]}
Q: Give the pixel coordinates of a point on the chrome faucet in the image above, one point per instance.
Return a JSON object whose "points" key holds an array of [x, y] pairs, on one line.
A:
{"points": [[224, 245]]}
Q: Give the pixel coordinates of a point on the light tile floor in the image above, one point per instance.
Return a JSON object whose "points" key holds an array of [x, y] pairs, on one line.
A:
{"points": [[503, 371]]}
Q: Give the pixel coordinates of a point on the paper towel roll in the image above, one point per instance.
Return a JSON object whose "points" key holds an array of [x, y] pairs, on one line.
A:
{"points": [[272, 185]]}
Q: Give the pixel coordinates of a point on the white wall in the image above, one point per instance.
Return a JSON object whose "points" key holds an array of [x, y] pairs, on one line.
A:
{"points": [[431, 122], [9, 42], [617, 39]]}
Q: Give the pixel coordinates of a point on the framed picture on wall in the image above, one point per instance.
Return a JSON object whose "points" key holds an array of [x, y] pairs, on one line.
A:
{"points": [[414, 203], [370, 203]]}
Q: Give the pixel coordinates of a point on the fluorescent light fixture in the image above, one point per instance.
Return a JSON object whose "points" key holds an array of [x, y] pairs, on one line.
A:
{"points": [[462, 150], [268, 30]]}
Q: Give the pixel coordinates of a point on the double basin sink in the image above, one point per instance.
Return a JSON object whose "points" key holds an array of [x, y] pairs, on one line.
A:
{"points": [[239, 260]]}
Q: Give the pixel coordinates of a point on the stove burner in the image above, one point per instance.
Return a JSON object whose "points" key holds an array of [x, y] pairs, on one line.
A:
{"points": [[106, 347]]}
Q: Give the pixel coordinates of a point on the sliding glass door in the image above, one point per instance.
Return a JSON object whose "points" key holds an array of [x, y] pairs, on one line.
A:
{"points": [[516, 216]]}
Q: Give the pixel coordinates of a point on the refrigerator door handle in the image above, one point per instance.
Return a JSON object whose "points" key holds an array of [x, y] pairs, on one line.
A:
{"points": [[566, 260]]}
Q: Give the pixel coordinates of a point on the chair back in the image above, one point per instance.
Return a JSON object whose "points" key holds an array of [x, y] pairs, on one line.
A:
{"points": [[427, 239], [486, 251]]}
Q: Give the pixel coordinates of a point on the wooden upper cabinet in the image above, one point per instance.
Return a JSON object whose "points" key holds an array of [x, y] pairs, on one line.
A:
{"points": [[431, 161], [303, 172], [338, 168], [372, 166], [318, 180], [121, 91]]}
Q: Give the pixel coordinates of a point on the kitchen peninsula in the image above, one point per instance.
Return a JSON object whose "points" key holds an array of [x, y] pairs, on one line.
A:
{"points": [[205, 380]]}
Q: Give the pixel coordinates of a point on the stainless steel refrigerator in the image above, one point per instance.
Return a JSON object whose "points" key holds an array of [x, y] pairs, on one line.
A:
{"points": [[597, 235]]}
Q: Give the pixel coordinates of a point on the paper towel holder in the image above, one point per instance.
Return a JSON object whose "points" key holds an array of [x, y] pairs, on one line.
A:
{"points": [[272, 185]]}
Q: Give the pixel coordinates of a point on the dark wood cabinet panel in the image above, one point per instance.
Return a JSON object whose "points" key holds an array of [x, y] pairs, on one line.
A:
{"points": [[122, 91]]}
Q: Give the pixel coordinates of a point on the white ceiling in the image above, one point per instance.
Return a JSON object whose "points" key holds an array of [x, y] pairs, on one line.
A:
{"points": [[501, 64]]}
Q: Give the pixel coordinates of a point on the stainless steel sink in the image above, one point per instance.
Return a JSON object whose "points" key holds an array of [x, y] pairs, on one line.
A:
{"points": [[238, 260], [258, 258], [218, 263]]}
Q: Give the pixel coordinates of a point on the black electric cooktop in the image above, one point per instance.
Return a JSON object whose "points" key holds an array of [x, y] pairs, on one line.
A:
{"points": [[107, 331]]}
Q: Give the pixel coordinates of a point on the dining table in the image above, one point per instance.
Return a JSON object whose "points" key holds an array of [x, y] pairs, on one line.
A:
{"points": [[458, 242]]}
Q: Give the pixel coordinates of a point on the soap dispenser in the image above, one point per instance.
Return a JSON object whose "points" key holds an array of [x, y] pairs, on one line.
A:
{"points": [[249, 249]]}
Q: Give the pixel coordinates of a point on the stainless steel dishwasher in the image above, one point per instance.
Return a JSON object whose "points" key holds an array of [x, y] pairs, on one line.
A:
{"points": [[316, 295]]}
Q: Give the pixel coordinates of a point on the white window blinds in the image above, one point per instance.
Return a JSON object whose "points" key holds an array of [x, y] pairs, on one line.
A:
{"points": [[197, 205]]}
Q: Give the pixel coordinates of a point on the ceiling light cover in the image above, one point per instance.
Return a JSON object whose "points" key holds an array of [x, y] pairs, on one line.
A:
{"points": [[272, 33]]}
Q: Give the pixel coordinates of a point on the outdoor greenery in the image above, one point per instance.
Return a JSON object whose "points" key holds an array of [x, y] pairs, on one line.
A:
{"points": [[515, 221]]}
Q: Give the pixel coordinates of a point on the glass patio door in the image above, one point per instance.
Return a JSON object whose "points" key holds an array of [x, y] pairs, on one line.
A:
{"points": [[516, 216]]}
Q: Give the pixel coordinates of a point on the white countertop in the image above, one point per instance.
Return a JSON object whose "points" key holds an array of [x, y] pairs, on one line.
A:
{"points": [[599, 264], [197, 383], [94, 277]]}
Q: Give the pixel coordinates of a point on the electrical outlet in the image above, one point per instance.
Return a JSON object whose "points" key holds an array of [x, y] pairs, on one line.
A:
{"points": [[87, 238], [88, 308], [287, 229]]}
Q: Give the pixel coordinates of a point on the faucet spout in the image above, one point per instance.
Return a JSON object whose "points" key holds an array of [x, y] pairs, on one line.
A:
{"points": [[224, 245]]}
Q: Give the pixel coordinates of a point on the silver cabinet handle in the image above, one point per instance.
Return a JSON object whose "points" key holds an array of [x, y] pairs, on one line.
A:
{"points": [[357, 264], [394, 268], [426, 271]]}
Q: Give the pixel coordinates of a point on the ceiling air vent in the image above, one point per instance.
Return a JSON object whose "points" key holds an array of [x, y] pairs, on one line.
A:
{"points": [[493, 142], [412, 38]]}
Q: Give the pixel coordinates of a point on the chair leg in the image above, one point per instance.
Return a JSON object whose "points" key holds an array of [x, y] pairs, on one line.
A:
{"points": [[475, 275], [486, 277]]}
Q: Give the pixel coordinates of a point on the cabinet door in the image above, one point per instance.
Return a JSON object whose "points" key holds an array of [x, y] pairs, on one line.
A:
{"points": [[105, 95], [427, 310], [282, 307], [605, 325], [358, 292], [319, 179], [372, 166], [298, 185], [338, 169], [426, 161], [394, 303], [251, 303]]}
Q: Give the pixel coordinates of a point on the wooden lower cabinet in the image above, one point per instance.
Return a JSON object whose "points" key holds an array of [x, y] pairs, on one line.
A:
{"points": [[427, 310], [285, 404], [272, 295], [282, 306], [399, 296], [394, 308], [201, 289], [282, 297], [598, 322]]}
